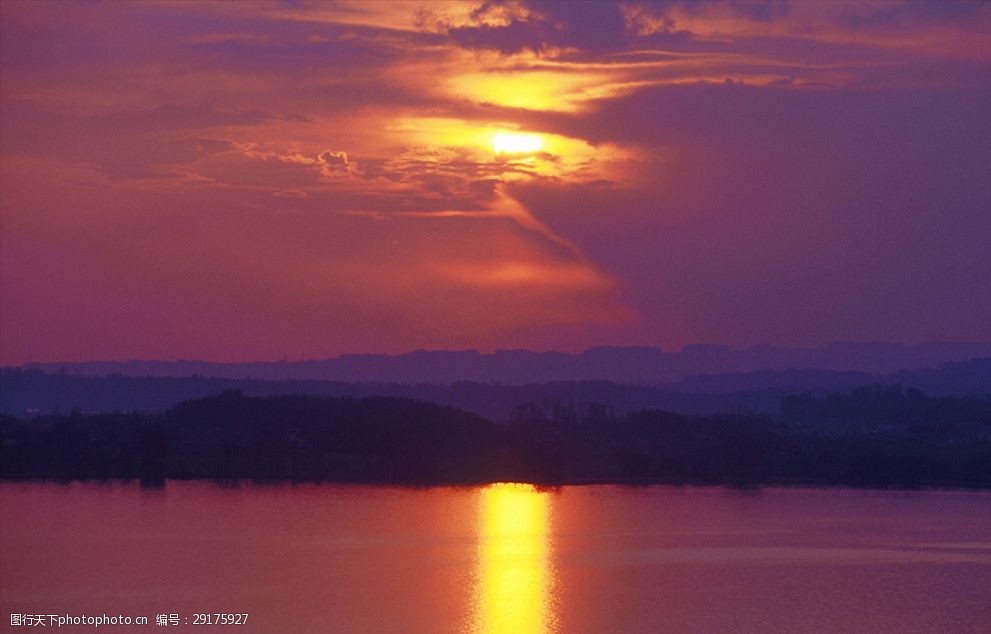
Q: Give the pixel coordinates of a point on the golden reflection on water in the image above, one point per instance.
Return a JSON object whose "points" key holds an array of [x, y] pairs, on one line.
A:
{"points": [[514, 576]]}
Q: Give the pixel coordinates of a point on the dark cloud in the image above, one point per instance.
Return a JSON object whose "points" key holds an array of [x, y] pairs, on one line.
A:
{"points": [[585, 25], [780, 212], [334, 159]]}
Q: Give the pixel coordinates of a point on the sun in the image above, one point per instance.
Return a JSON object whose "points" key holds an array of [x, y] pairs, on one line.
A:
{"points": [[515, 143]]}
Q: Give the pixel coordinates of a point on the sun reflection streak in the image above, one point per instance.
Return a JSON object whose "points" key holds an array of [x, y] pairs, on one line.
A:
{"points": [[514, 579]]}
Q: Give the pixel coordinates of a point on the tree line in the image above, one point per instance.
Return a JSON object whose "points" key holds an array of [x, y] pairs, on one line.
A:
{"points": [[873, 437]]}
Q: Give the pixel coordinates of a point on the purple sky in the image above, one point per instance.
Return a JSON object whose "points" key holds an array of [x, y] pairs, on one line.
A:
{"points": [[234, 181]]}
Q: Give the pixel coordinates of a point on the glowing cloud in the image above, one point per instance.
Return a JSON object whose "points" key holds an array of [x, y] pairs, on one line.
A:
{"points": [[514, 143], [562, 91], [518, 156]]}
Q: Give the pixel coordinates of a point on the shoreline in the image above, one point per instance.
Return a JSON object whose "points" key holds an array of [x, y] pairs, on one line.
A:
{"points": [[539, 485]]}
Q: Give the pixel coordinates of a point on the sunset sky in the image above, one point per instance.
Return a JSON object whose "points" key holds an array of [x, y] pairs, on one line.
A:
{"points": [[255, 181]]}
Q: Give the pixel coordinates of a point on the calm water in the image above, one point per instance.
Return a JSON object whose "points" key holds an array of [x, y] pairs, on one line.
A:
{"points": [[505, 558]]}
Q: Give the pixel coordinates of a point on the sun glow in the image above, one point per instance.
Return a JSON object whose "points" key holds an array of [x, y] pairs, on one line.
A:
{"points": [[508, 152], [515, 143]]}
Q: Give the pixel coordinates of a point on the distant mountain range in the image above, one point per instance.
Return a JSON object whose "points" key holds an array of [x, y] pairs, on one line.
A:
{"points": [[627, 365], [32, 391]]}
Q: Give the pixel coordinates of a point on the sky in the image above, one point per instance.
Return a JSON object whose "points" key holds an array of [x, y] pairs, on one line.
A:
{"points": [[257, 181]]}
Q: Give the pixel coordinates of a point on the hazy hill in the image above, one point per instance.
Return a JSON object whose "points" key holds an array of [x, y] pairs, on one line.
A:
{"points": [[33, 392], [630, 365]]}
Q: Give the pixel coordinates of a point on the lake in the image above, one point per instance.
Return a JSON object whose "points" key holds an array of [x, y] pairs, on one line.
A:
{"points": [[507, 558]]}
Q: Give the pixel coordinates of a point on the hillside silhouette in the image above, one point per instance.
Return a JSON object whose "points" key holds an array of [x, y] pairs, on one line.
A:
{"points": [[876, 436], [28, 392]]}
